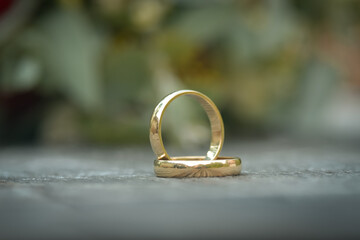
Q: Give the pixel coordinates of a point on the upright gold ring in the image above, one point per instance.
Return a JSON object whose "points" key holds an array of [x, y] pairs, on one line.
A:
{"points": [[216, 124]]}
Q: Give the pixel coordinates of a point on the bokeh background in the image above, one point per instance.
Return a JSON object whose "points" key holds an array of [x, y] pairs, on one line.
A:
{"points": [[91, 72]]}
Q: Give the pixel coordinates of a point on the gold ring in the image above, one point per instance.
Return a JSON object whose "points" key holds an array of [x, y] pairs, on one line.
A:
{"points": [[182, 167], [201, 166], [216, 123]]}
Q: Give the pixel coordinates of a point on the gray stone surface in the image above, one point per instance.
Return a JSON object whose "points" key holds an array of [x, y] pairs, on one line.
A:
{"points": [[287, 190]]}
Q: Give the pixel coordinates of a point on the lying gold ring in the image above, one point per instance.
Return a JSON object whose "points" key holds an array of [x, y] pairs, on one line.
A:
{"points": [[216, 123], [183, 167]]}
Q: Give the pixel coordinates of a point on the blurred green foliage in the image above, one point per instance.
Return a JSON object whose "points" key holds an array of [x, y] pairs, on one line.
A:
{"points": [[92, 71]]}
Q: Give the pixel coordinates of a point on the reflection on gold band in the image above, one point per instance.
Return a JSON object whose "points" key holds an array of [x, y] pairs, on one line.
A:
{"points": [[216, 123], [187, 167]]}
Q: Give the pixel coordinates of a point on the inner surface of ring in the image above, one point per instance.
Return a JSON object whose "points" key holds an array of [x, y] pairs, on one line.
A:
{"points": [[216, 127]]}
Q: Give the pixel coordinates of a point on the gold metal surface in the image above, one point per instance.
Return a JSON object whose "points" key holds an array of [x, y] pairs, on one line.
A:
{"points": [[216, 123], [187, 167]]}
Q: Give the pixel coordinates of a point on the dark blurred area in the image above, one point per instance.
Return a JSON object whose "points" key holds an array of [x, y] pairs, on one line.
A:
{"points": [[91, 72]]}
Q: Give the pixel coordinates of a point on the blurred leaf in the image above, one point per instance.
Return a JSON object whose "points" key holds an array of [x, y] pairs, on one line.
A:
{"points": [[127, 76], [318, 81], [19, 71], [72, 50], [261, 35], [104, 130], [205, 24]]}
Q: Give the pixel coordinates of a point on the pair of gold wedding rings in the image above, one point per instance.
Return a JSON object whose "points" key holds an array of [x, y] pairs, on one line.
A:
{"points": [[210, 165]]}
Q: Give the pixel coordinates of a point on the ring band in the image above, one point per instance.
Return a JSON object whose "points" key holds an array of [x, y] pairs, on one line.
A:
{"points": [[216, 124], [200, 166], [187, 167]]}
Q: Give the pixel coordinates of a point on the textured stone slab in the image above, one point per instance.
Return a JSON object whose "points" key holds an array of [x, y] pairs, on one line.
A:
{"points": [[286, 189]]}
